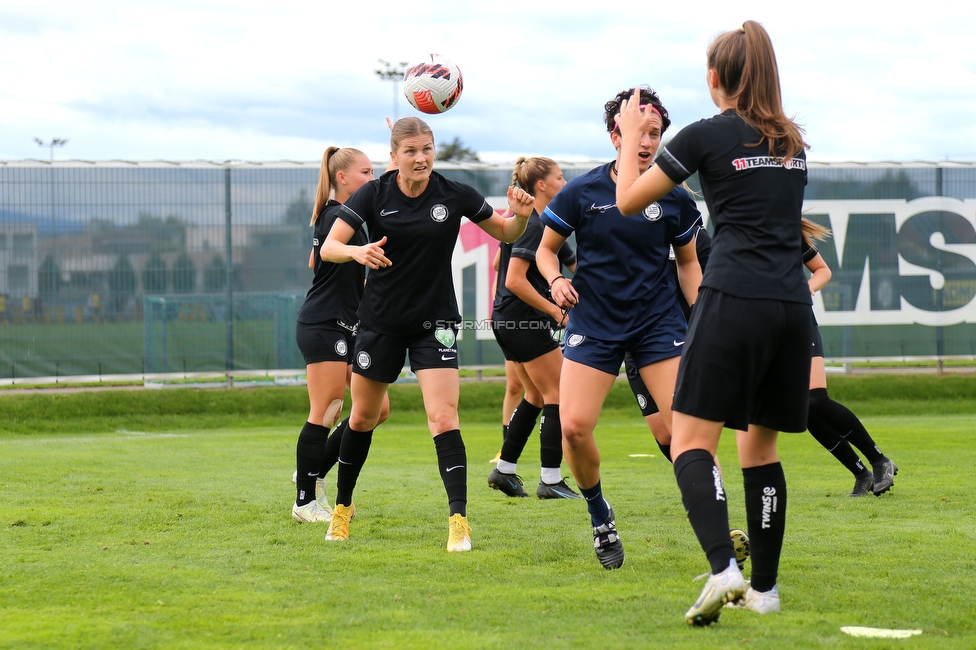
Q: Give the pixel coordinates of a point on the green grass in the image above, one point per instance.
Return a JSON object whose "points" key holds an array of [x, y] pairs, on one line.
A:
{"points": [[161, 519]]}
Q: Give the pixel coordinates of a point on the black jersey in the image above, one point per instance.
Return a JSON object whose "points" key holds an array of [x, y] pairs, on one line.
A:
{"points": [[336, 288], [416, 292], [508, 303], [755, 203]]}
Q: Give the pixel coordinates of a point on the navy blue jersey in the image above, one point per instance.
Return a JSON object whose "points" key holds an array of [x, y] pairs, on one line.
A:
{"points": [[755, 203], [336, 288], [416, 292], [622, 274]]}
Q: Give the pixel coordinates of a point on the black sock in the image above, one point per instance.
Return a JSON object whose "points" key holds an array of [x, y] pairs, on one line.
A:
{"points": [[352, 457], [832, 442], [765, 489], [666, 450], [551, 437], [519, 429], [332, 447], [845, 423], [452, 460], [308, 460], [703, 496]]}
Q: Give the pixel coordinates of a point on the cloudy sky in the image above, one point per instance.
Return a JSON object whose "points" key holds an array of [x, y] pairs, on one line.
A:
{"points": [[243, 80]]}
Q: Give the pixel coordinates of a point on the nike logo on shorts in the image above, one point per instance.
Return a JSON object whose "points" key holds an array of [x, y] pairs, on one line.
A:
{"points": [[446, 358], [678, 343], [386, 213]]}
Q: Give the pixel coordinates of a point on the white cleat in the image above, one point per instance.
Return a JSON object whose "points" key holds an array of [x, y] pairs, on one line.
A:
{"points": [[311, 512]]}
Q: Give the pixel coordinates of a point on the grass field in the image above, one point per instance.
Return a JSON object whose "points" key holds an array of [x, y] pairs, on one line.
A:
{"points": [[161, 519]]}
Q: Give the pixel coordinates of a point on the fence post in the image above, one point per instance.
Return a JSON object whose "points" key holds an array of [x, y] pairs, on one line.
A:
{"points": [[939, 331], [228, 254]]}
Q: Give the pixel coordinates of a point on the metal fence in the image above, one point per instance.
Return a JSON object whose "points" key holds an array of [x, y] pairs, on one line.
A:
{"points": [[154, 267]]}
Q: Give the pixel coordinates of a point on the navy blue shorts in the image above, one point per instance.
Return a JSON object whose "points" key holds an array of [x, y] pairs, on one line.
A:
{"points": [[329, 341], [380, 357], [747, 361], [662, 339]]}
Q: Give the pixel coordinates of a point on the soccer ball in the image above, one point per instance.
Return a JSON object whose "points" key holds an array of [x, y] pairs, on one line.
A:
{"points": [[434, 85], [740, 543]]}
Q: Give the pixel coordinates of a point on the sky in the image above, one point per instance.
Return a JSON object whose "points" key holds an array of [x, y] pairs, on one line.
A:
{"points": [[261, 81]]}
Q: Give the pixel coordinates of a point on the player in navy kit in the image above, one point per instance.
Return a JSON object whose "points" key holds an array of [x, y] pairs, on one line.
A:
{"points": [[746, 362], [831, 423], [525, 323], [325, 332], [414, 216], [622, 299]]}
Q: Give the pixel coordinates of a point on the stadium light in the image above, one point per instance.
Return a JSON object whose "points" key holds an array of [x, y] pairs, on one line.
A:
{"points": [[55, 142], [392, 72]]}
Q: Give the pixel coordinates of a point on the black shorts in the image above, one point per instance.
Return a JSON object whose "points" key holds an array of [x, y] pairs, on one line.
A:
{"points": [[525, 340], [639, 388], [380, 356], [329, 341], [816, 346], [746, 361]]}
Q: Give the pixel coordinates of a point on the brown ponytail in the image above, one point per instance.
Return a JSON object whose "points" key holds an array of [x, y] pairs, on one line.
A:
{"points": [[746, 65], [334, 160]]}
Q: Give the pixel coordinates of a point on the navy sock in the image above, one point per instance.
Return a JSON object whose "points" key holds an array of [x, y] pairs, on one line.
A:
{"points": [[308, 459], [665, 450], [452, 460], [352, 457], [596, 505], [551, 437], [519, 429], [765, 489], [703, 496]]}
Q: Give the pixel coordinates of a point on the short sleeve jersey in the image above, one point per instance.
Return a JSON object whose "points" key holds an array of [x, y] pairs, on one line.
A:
{"points": [[416, 291], [755, 203], [336, 288], [524, 248], [622, 274]]}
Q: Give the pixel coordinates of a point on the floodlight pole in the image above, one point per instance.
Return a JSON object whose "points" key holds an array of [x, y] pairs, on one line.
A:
{"points": [[392, 72], [55, 142]]}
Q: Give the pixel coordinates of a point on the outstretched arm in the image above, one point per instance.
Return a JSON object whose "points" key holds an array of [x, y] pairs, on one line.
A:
{"points": [[508, 230]]}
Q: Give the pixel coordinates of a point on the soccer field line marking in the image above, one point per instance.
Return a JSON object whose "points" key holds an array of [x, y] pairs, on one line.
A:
{"points": [[642, 455], [879, 633], [127, 435]]}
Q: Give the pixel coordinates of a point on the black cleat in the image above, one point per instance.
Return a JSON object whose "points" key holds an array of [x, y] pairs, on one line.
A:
{"points": [[863, 484], [884, 476], [510, 484], [606, 541], [556, 491]]}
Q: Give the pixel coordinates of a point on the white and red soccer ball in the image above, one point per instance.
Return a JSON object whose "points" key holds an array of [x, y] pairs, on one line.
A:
{"points": [[433, 85]]}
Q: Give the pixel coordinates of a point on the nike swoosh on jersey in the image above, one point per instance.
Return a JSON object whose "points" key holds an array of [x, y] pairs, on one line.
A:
{"points": [[678, 343], [386, 213], [601, 208]]}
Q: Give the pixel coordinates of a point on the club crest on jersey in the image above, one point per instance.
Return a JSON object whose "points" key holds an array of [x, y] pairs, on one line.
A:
{"points": [[340, 348], [641, 401], [445, 337], [363, 360], [653, 212], [439, 213], [574, 340]]}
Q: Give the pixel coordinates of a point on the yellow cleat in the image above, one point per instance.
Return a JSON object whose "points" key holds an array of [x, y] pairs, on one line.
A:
{"points": [[459, 538], [339, 526]]}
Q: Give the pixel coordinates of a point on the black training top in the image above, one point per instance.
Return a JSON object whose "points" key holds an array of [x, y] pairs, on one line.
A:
{"points": [[524, 248], [755, 203], [336, 288], [417, 291]]}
